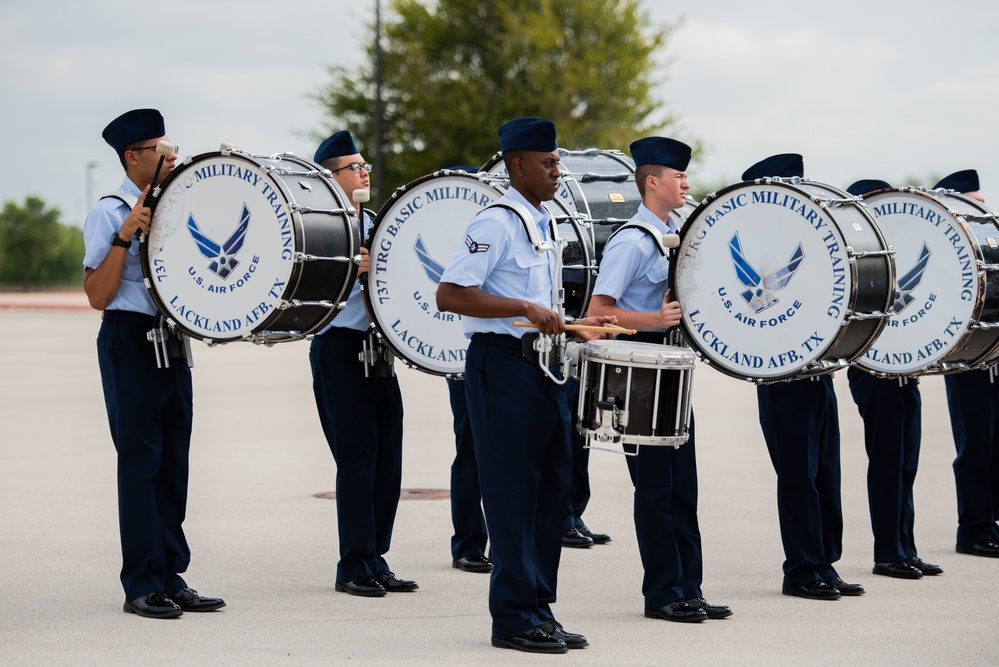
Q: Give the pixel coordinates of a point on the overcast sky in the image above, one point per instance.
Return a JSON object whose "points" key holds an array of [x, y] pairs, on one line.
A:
{"points": [[863, 89]]}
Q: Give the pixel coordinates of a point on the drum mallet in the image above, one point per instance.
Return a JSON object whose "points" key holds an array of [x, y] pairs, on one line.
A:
{"points": [[360, 196], [165, 149]]}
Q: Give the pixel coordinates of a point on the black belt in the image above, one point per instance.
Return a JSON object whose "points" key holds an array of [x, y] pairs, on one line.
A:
{"points": [[129, 316], [498, 340], [645, 337]]}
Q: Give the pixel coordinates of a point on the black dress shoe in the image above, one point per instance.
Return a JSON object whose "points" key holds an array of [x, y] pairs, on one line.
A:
{"points": [[575, 539], [817, 590], [680, 611], [570, 639], [476, 563], [712, 610], [393, 584], [534, 640], [154, 605], [598, 538], [986, 548], [845, 588], [928, 569], [188, 599], [365, 587], [901, 570]]}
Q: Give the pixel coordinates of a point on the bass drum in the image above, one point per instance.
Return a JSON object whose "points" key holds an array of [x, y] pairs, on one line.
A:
{"points": [[944, 311], [780, 279], [414, 233], [250, 247]]}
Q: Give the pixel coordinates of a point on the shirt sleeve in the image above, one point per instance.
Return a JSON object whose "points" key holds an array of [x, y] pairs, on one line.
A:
{"points": [[621, 264], [484, 246], [103, 220]]}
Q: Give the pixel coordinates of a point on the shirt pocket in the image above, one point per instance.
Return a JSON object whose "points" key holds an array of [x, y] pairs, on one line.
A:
{"points": [[538, 282], [659, 271]]}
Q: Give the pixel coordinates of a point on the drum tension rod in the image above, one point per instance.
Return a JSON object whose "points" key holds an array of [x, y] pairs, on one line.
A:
{"points": [[300, 257], [324, 211], [297, 303]]}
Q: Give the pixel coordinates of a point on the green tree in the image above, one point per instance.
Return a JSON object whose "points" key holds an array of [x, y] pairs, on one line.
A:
{"points": [[33, 245], [455, 70]]}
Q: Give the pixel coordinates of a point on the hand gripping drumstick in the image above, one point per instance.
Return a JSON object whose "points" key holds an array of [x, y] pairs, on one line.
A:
{"points": [[607, 328], [165, 150]]}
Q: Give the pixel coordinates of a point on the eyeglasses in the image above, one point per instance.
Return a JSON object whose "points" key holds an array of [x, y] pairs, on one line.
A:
{"points": [[355, 167], [176, 148]]}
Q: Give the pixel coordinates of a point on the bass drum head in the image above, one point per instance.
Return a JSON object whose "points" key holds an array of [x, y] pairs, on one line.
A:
{"points": [[413, 236], [934, 302], [764, 279], [220, 257]]}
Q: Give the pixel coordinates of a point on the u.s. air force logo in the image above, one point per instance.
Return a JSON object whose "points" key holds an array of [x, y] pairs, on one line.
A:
{"points": [[222, 255], [762, 292]]}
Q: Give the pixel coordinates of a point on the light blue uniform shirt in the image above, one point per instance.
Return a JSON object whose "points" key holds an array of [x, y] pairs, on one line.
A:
{"points": [[354, 316], [632, 270], [105, 219], [497, 257]]}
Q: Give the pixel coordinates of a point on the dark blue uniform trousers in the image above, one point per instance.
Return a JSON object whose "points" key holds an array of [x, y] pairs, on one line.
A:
{"points": [[150, 414], [362, 420], [520, 422], [469, 524], [669, 539], [974, 419], [890, 409], [800, 425]]}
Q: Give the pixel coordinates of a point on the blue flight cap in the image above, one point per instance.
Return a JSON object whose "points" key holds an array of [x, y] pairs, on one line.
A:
{"points": [[865, 185], [528, 134], [132, 126], [661, 150], [337, 145], [784, 165], [960, 181]]}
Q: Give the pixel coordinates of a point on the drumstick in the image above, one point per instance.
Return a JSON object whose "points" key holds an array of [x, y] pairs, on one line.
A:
{"points": [[609, 328], [165, 150]]}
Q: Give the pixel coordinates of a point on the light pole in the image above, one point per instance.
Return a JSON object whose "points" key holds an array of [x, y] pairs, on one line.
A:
{"points": [[377, 125], [90, 185]]}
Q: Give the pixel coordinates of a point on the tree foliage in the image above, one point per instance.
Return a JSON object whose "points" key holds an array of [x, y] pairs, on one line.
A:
{"points": [[35, 248], [455, 70]]}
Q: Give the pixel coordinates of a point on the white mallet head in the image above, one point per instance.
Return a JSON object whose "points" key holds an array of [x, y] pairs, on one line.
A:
{"points": [[165, 148], [361, 195], [671, 240], [226, 146]]}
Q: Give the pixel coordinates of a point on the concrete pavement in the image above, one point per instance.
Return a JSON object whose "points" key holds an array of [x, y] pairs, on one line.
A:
{"points": [[263, 541]]}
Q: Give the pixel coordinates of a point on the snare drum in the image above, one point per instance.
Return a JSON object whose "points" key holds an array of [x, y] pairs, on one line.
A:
{"points": [[945, 308], [244, 247], [781, 278], [634, 393]]}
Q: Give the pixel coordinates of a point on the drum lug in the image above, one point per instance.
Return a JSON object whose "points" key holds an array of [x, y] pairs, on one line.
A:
{"points": [[609, 419]]}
